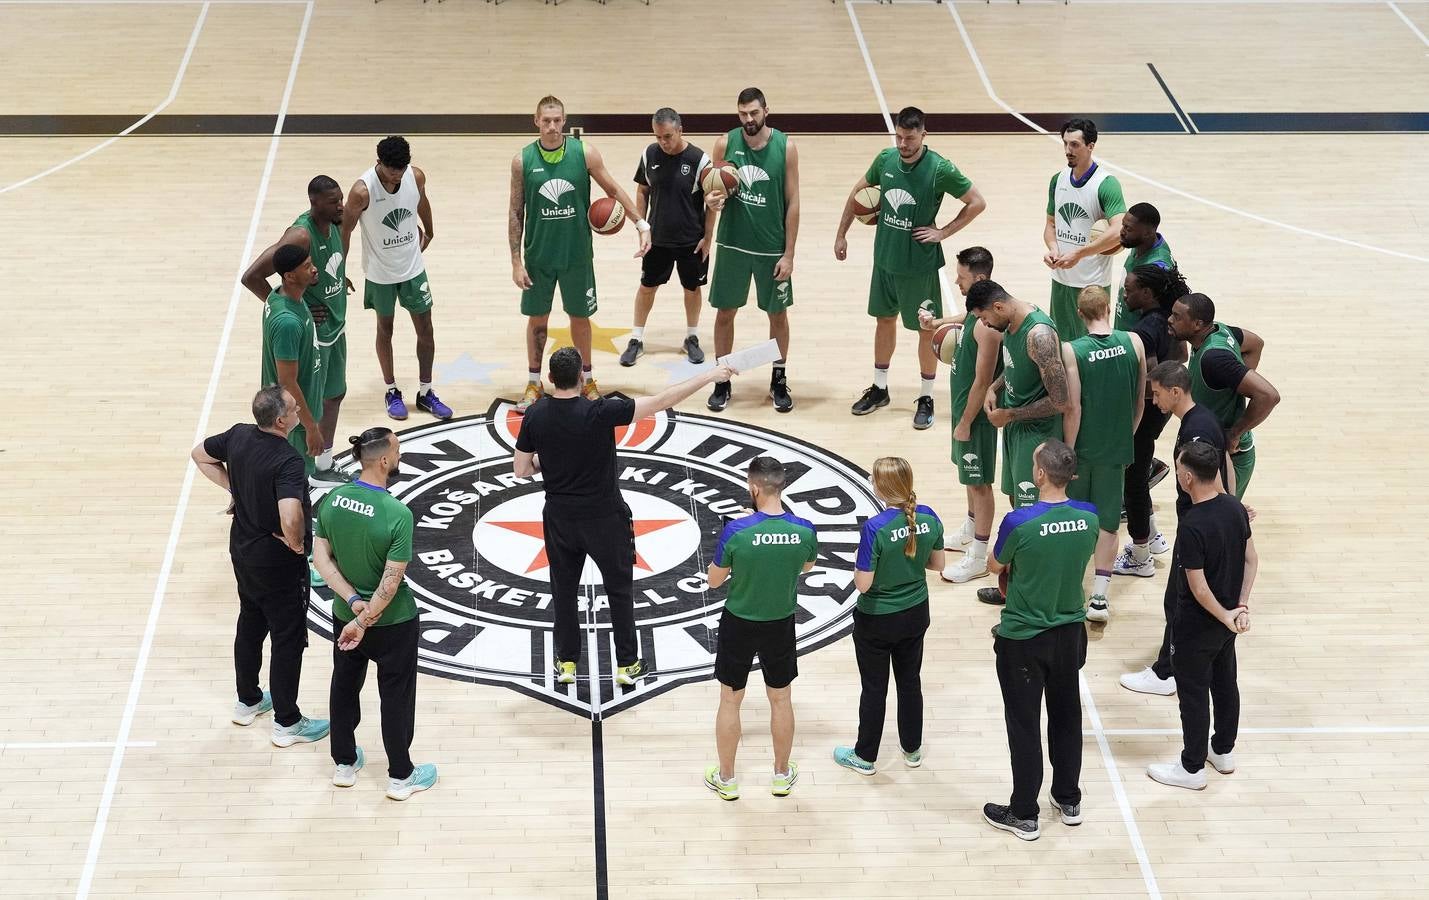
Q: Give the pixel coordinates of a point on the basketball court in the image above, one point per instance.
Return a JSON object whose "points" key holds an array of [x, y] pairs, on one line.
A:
{"points": [[154, 148]]}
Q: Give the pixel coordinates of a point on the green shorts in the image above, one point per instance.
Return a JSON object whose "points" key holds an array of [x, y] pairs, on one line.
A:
{"points": [[1101, 486], [903, 295], [334, 363], [298, 437], [976, 458], [414, 294], [577, 283], [1244, 463], [1069, 325], [1019, 442], [730, 288]]}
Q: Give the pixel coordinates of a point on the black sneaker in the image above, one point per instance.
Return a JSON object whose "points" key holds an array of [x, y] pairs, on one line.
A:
{"points": [[719, 397], [779, 392], [923, 415], [992, 596], [1002, 817], [692, 350], [1071, 812], [633, 351], [1158, 473], [872, 399]]}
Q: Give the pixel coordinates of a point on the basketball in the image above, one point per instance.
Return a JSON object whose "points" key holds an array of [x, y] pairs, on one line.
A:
{"points": [[945, 342], [606, 216], [866, 203], [1098, 230], [720, 177]]}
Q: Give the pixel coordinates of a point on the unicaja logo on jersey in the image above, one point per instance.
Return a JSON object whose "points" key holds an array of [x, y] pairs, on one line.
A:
{"points": [[1071, 214], [749, 176], [396, 217], [896, 199], [553, 191], [332, 269]]}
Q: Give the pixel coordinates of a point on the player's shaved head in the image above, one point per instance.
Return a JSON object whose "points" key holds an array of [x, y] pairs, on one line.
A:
{"points": [[767, 474]]}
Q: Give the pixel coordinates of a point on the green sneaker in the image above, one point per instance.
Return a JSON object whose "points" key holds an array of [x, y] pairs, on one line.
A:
{"points": [[784, 782], [913, 758], [628, 675], [727, 790], [314, 579], [845, 757], [565, 672]]}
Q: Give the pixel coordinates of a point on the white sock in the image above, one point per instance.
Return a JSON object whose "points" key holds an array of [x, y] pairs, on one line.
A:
{"points": [[1154, 530], [638, 333], [692, 331], [928, 386], [1100, 583], [391, 385], [880, 378], [423, 387], [324, 462], [978, 549], [970, 525], [1141, 552], [533, 376]]}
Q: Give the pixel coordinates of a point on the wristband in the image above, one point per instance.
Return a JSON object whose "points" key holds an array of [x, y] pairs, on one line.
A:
{"points": [[641, 225], [354, 600]]}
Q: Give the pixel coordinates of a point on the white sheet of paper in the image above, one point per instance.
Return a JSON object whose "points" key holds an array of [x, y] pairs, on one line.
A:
{"points": [[752, 357]]}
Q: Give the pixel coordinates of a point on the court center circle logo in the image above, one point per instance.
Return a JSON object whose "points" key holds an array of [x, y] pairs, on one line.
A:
{"points": [[481, 578]]}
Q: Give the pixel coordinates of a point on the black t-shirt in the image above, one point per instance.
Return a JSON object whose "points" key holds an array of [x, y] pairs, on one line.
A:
{"points": [[263, 468], [1155, 334], [677, 203], [1199, 424], [1211, 536], [575, 439]]}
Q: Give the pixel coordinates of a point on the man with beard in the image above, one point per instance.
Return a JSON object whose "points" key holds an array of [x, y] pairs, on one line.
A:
{"points": [[1148, 248]]}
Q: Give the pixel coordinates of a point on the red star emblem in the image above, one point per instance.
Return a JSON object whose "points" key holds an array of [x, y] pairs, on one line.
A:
{"points": [[537, 530]]}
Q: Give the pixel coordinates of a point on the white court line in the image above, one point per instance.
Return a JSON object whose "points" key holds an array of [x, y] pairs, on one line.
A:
{"points": [[173, 92], [69, 745], [1100, 2], [987, 86], [1412, 27], [1307, 729], [188, 2], [136, 684], [1119, 791]]}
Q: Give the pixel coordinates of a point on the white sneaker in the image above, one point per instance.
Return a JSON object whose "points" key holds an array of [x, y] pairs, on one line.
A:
{"points": [[1223, 762], [346, 776], [1097, 609], [1127, 564], [1146, 682], [1159, 545], [966, 569], [1174, 774], [957, 541]]}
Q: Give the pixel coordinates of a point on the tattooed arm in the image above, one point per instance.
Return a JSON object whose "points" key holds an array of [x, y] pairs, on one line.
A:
{"points": [[1045, 351], [515, 220], [392, 574]]}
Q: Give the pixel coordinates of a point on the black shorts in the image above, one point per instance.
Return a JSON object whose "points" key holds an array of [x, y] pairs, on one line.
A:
{"points": [[740, 640], [655, 266]]}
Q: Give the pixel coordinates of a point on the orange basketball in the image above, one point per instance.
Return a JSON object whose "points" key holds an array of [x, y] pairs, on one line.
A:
{"points": [[606, 216], [720, 176], [945, 342], [866, 203]]}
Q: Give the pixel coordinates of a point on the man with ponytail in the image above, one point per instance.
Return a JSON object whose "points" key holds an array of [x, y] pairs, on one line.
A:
{"points": [[894, 550]]}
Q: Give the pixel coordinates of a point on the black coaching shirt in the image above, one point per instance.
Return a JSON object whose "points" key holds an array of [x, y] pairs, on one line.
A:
{"points": [[677, 203], [263, 468], [575, 440], [1210, 536], [1199, 424]]}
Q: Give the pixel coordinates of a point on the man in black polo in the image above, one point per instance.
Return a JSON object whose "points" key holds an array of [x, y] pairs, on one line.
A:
{"points": [[570, 440], [269, 543], [682, 229]]}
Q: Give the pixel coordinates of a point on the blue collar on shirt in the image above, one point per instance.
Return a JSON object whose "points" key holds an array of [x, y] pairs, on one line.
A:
{"points": [[371, 487], [1085, 178]]}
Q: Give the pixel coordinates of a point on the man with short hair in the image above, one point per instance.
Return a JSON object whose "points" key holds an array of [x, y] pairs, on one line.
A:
{"points": [[550, 237], [757, 231], [317, 232], [907, 251], [268, 543], [765, 553], [1041, 642], [1078, 197], [1213, 584], [570, 440], [1146, 247], [682, 229], [364, 542], [389, 200], [291, 356]]}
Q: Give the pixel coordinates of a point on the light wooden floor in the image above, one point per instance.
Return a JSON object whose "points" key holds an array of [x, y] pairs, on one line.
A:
{"points": [[121, 305]]}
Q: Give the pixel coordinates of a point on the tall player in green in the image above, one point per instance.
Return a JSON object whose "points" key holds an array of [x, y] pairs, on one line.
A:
{"points": [[290, 355], [1106, 384], [1147, 248], [757, 232], [1079, 196], [907, 251], [550, 199], [316, 231]]}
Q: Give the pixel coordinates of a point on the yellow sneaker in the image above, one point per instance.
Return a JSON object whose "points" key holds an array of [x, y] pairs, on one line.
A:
{"points": [[591, 391], [534, 391]]}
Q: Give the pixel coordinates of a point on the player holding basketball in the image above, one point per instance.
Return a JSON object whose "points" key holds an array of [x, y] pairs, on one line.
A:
{"points": [[756, 237], [907, 251], [550, 200], [389, 199], [1078, 197]]}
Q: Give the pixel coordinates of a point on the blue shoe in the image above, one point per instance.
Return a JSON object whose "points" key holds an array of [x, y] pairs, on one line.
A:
{"points": [[396, 409], [243, 714], [422, 777], [845, 757], [429, 402], [303, 731], [346, 776]]}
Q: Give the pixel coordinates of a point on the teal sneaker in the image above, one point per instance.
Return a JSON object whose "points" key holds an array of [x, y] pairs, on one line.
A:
{"points": [[303, 731], [346, 776], [314, 579], [243, 714], [913, 758], [727, 790], [422, 778], [783, 782], [845, 757]]}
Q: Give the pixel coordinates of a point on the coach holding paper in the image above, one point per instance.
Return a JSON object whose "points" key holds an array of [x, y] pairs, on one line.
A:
{"points": [[571, 441]]}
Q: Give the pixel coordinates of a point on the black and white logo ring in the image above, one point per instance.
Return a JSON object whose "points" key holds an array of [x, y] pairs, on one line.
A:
{"points": [[481, 578]]}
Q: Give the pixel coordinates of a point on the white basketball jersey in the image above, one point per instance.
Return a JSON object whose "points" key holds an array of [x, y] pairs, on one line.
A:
{"points": [[1075, 209], [391, 252]]}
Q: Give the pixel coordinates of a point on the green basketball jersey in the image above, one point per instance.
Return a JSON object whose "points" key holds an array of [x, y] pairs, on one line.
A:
{"points": [[911, 197], [965, 367], [1048, 546], [1107, 368], [753, 219], [331, 288], [289, 334], [1158, 255], [366, 527], [766, 555], [557, 207], [1021, 379], [899, 580], [1226, 405]]}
